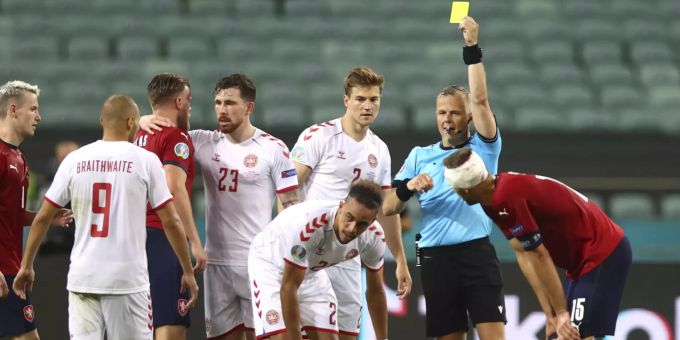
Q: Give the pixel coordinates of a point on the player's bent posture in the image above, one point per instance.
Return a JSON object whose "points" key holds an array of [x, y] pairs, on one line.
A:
{"points": [[244, 169], [109, 183], [550, 224], [460, 272], [328, 158], [291, 291], [170, 97], [19, 116]]}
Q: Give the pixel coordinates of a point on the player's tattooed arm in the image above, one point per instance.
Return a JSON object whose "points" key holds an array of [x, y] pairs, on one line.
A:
{"points": [[288, 198]]}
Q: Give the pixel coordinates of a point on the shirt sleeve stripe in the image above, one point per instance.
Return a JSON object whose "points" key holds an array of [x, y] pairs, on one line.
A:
{"points": [[294, 264], [53, 203], [292, 187], [163, 204], [374, 269]]}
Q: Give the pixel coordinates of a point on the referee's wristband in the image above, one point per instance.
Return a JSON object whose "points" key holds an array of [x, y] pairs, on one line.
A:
{"points": [[472, 54], [403, 193]]}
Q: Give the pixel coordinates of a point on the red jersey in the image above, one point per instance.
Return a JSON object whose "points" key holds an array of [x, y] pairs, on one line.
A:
{"points": [[14, 179], [172, 146], [577, 234]]}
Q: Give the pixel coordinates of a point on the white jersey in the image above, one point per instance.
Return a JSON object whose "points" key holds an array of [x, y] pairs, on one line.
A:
{"points": [[337, 161], [303, 236], [109, 185], [241, 181]]}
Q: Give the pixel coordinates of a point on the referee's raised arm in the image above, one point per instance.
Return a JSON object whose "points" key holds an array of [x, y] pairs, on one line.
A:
{"points": [[482, 117]]}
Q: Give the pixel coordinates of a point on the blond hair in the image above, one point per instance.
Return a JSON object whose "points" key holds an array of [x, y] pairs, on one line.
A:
{"points": [[14, 90]]}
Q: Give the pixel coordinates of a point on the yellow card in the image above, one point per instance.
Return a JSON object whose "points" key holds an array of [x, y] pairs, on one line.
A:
{"points": [[459, 10]]}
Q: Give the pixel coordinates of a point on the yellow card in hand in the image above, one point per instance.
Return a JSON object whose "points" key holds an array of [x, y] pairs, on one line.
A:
{"points": [[459, 10]]}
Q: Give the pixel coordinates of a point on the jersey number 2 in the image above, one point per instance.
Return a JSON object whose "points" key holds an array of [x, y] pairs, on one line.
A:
{"points": [[98, 208], [233, 186]]}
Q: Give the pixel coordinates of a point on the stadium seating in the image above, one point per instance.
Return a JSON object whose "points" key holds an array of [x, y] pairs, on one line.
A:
{"points": [[584, 60], [631, 205]]}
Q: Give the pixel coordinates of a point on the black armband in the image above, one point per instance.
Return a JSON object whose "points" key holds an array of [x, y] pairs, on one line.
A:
{"points": [[472, 54], [402, 190]]}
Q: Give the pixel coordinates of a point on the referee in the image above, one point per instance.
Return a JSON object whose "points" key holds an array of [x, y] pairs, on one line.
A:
{"points": [[460, 272]]}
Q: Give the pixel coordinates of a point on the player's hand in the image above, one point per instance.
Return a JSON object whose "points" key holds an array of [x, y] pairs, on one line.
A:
{"points": [[23, 282], [200, 256], [565, 329], [62, 218], [189, 282], [404, 282], [420, 183], [151, 123], [4, 290], [470, 30], [550, 326]]}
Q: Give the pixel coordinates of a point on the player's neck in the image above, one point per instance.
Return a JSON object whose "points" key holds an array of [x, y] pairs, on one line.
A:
{"points": [[353, 129], [115, 136], [164, 112], [10, 135], [243, 132]]}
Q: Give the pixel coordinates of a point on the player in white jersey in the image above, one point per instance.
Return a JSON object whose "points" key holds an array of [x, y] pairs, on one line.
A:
{"points": [[244, 169], [109, 183], [329, 157], [290, 290]]}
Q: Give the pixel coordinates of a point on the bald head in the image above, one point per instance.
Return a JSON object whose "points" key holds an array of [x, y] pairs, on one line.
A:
{"points": [[120, 116]]}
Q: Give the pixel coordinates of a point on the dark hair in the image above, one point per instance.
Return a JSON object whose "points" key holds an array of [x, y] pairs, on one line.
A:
{"points": [[367, 193], [363, 76], [165, 86], [240, 81], [457, 159]]}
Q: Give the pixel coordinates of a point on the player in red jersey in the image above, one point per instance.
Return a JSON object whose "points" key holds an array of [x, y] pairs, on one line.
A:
{"points": [[170, 97], [550, 224], [19, 116]]}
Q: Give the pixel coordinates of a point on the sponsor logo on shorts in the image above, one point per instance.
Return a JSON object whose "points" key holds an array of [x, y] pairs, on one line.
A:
{"points": [[182, 150], [298, 252], [250, 161], [372, 160], [182, 307], [28, 313], [351, 254], [516, 230], [298, 153], [288, 173], [208, 325], [272, 317]]}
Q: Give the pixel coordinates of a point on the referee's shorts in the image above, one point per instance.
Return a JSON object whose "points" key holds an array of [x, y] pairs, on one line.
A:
{"points": [[461, 280]]}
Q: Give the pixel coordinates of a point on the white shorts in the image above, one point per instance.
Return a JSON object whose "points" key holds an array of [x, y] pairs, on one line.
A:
{"points": [[126, 316], [318, 306], [347, 287], [227, 299]]}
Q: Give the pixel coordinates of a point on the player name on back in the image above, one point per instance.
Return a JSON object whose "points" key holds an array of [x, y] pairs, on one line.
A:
{"points": [[99, 165]]}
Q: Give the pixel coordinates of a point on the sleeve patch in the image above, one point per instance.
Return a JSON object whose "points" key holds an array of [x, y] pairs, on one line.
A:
{"points": [[288, 173], [298, 153], [517, 230], [298, 252], [182, 150]]}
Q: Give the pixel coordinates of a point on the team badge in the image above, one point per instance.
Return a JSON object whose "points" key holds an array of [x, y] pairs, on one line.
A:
{"points": [[298, 153], [182, 150], [372, 160], [273, 317], [28, 313], [351, 254], [250, 161], [298, 252], [182, 307]]}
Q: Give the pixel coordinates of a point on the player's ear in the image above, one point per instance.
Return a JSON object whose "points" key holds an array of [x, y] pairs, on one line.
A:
{"points": [[345, 99], [250, 107], [178, 102]]}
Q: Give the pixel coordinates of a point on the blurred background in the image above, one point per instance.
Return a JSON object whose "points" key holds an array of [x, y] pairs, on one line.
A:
{"points": [[587, 92]]}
